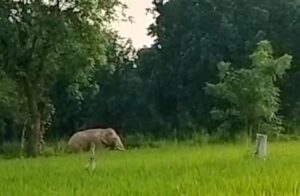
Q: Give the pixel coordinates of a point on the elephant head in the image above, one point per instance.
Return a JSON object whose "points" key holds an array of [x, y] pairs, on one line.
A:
{"points": [[111, 139]]}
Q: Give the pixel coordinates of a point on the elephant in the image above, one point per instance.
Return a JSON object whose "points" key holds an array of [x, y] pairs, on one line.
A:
{"points": [[82, 140]]}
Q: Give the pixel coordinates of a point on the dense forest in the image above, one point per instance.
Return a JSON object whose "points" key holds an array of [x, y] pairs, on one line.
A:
{"points": [[222, 68]]}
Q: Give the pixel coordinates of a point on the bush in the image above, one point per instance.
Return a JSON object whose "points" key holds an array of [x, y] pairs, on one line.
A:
{"points": [[140, 140], [10, 150]]}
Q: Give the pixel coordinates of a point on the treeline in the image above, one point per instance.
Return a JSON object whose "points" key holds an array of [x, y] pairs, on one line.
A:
{"points": [[63, 69]]}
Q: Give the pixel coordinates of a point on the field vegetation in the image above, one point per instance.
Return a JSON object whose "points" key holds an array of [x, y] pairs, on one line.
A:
{"points": [[171, 169]]}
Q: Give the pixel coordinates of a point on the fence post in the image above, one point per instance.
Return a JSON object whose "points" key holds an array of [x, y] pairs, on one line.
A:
{"points": [[23, 140], [261, 145], [92, 159]]}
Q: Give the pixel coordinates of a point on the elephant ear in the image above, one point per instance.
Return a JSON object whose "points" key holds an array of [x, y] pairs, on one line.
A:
{"points": [[106, 137]]}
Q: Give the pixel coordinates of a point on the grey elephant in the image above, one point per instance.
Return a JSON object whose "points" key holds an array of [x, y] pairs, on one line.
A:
{"points": [[82, 140]]}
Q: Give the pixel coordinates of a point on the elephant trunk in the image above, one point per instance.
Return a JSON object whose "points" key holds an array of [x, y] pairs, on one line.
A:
{"points": [[119, 145]]}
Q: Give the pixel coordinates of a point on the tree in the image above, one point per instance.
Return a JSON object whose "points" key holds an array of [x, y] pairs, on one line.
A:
{"points": [[191, 37], [250, 96], [41, 40]]}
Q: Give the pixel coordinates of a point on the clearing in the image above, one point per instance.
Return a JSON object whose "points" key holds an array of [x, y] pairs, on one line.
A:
{"points": [[168, 171]]}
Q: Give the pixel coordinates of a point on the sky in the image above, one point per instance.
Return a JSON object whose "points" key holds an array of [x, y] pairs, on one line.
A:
{"points": [[136, 31]]}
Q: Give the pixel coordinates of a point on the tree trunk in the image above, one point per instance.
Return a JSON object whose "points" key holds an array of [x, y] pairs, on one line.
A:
{"points": [[35, 119]]}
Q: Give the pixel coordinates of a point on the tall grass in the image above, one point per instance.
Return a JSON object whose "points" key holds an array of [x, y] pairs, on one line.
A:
{"points": [[171, 170]]}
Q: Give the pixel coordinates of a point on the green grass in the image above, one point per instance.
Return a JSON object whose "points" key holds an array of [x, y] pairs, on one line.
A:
{"points": [[168, 171]]}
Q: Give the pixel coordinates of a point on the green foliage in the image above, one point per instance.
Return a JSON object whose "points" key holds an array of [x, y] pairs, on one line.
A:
{"points": [[165, 91], [111, 100], [40, 41], [10, 150], [81, 73], [10, 100], [12, 110], [191, 37], [251, 96]]}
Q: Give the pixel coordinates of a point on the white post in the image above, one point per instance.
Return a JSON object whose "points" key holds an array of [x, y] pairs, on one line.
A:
{"points": [[92, 160], [261, 145], [23, 139]]}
